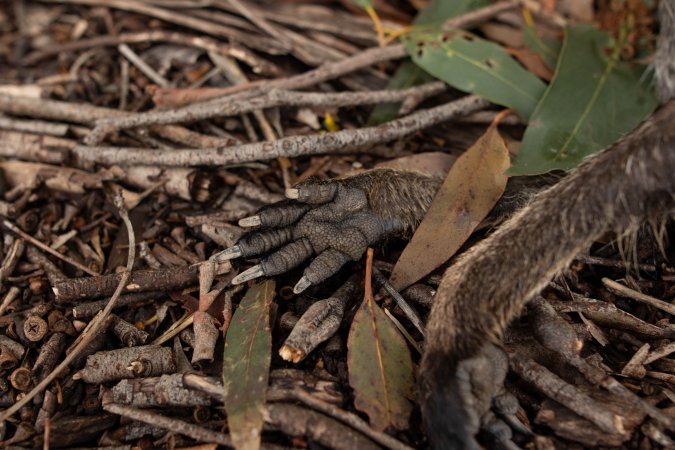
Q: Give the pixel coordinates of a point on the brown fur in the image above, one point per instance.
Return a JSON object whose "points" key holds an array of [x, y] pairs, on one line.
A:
{"points": [[405, 196]]}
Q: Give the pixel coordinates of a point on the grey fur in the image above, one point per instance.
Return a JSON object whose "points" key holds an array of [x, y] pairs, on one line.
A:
{"points": [[619, 188], [664, 59]]}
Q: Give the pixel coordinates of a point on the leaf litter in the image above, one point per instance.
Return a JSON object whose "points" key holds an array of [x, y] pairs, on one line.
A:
{"points": [[184, 214]]}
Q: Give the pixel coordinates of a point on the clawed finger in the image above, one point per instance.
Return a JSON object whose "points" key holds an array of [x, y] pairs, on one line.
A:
{"points": [[314, 193], [287, 257], [255, 244], [281, 261], [325, 265], [278, 215], [330, 218]]}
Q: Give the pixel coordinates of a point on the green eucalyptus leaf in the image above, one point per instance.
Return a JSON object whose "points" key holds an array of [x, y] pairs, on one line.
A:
{"points": [[594, 98], [478, 66], [246, 365], [380, 367]]}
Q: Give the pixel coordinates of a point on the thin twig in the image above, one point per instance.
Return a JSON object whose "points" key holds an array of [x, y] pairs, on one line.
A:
{"points": [[141, 65], [616, 264], [272, 99], [215, 390], [259, 21], [625, 291], [258, 65], [33, 126], [85, 113], [480, 15], [400, 301], [259, 42], [196, 432], [324, 72], [344, 141], [18, 231], [348, 418], [95, 326]]}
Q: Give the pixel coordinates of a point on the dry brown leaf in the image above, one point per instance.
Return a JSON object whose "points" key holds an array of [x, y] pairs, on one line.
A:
{"points": [[471, 189]]}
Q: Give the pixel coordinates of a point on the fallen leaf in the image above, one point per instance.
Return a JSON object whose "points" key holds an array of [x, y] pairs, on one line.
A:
{"points": [[380, 367], [593, 100], [473, 186], [475, 65], [504, 34], [246, 363]]}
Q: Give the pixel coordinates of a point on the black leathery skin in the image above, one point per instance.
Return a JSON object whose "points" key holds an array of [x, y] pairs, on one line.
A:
{"points": [[462, 398], [316, 193], [347, 202], [254, 244], [287, 258], [374, 228], [282, 214], [325, 265]]}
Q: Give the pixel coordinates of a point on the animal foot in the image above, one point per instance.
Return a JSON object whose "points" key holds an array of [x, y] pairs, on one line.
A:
{"points": [[332, 222]]}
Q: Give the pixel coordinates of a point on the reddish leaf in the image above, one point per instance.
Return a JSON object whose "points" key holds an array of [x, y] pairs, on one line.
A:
{"points": [[380, 367]]}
